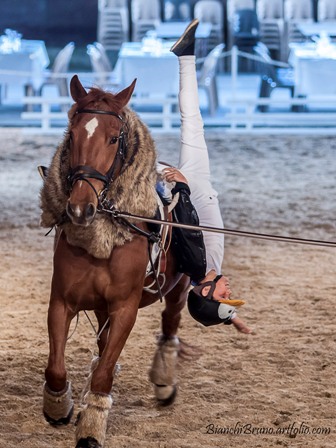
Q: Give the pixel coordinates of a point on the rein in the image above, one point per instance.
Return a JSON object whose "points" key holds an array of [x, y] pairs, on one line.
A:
{"points": [[85, 172]]}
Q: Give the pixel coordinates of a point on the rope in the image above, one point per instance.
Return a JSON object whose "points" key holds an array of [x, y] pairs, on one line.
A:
{"points": [[263, 236], [245, 55], [93, 327], [258, 58], [77, 320], [224, 54]]}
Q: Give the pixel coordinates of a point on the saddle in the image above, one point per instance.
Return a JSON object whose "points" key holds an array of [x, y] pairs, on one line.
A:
{"points": [[160, 249]]}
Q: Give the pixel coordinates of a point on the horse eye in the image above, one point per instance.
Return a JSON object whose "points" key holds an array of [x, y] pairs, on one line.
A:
{"points": [[113, 140]]}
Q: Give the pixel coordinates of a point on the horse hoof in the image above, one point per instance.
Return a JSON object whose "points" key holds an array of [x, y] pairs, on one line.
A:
{"points": [[168, 400], [61, 421], [88, 442]]}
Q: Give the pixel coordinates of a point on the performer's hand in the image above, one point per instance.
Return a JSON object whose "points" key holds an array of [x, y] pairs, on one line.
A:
{"points": [[174, 175], [240, 325]]}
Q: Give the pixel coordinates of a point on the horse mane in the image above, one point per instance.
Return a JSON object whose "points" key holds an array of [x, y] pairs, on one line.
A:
{"points": [[133, 191]]}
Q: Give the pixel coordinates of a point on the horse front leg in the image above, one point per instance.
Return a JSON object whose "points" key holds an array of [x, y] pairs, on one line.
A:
{"points": [[103, 331], [92, 420], [163, 371], [57, 396], [102, 335]]}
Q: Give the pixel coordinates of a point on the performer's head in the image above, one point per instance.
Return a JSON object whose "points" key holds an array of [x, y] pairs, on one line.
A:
{"points": [[209, 302]]}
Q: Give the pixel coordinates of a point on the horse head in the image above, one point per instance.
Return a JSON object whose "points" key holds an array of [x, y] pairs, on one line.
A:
{"points": [[97, 148]]}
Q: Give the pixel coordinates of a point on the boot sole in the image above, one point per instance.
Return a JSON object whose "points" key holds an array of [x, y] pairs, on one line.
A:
{"points": [[180, 40]]}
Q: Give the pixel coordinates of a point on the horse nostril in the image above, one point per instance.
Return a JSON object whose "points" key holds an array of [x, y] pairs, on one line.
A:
{"points": [[90, 211], [81, 215], [73, 210], [69, 209]]}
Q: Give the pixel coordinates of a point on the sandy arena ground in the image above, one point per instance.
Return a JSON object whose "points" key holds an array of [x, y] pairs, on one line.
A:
{"points": [[273, 388]]}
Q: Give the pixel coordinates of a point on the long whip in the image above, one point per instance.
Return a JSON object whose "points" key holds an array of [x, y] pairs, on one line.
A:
{"points": [[263, 236]]}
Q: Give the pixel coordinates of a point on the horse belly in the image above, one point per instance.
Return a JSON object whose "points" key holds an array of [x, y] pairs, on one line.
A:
{"points": [[151, 293]]}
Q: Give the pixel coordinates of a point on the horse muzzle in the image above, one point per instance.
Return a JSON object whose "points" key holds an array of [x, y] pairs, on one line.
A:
{"points": [[81, 214]]}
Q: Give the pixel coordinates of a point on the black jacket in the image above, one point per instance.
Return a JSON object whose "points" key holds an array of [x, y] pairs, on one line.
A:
{"points": [[188, 245]]}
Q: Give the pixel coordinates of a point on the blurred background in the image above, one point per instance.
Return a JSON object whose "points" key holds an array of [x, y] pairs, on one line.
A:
{"points": [[255, 58], [56, 23]]}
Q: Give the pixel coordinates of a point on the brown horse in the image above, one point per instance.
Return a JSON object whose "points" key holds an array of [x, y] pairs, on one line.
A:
{"points": [[107, 160]]}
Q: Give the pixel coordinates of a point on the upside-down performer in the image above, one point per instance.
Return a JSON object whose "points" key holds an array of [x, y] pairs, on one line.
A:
{"points": [[209, 301]]}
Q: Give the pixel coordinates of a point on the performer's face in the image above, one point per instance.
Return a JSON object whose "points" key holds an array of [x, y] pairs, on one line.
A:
{"points": [[222, 290]]}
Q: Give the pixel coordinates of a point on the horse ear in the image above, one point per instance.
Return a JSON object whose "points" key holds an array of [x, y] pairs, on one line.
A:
{"points": [[124, 96], [76, 89]]}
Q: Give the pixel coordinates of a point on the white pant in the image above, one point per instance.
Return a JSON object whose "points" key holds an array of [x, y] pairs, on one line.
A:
{"points": [[194, 163]]}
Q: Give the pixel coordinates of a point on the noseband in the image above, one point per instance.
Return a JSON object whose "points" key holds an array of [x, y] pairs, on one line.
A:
{"points": [[85, 172]]}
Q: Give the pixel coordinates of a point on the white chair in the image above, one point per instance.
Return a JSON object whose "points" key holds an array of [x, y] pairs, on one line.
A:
{"points": [[270, 9], [113, 26], [234, 5], [104, 76], [211, 11], [296, 11], [146, 15], [272, 35], [56, 76], [206, 77], [112, 4], [270, 15], [326, 10], [272, 77], [244, 34], [176, 10], [103, 56]]}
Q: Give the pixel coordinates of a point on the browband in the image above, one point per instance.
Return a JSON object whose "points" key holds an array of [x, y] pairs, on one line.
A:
{"points": [[102, 112]]}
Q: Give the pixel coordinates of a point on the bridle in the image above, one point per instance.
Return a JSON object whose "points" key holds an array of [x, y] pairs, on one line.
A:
{"points": [[86, 172]]}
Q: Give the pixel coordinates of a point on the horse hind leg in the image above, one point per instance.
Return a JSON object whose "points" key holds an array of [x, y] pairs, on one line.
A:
{"points": [[163, 371]]}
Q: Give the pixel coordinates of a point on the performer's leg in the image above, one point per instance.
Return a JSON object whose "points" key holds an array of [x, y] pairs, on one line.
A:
{"points": [[194, 162], [194, 159]]}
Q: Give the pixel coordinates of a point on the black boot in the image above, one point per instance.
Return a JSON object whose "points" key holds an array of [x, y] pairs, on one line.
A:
{"points": [[185, 46]]}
